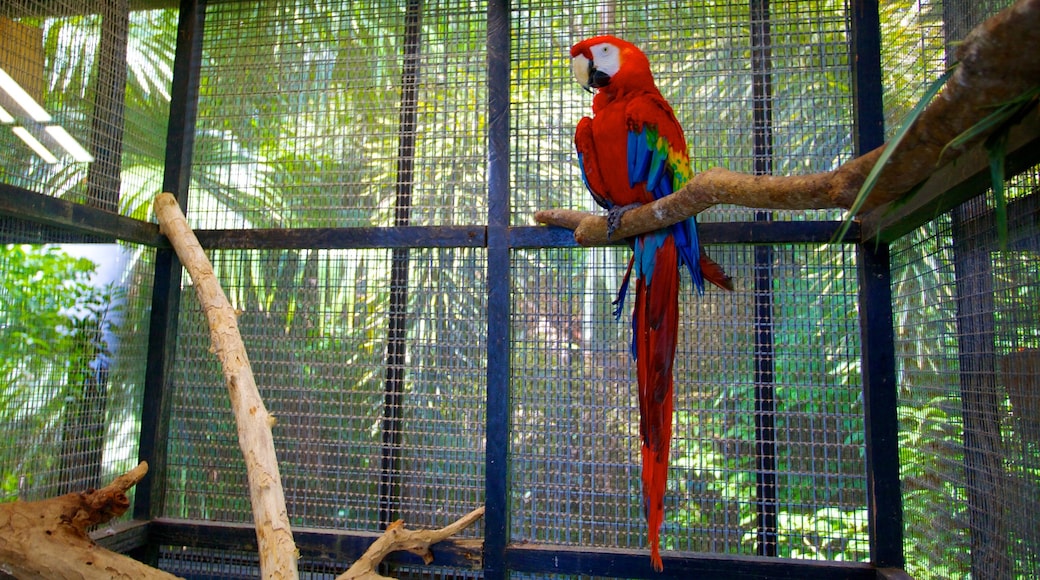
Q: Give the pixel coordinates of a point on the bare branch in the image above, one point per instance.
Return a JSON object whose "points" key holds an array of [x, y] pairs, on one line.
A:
{"points": [[397, 538], [997, 63], [48, 539], [274, 536]]}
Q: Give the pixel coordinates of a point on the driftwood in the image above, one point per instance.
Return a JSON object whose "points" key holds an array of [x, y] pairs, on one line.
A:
{"points": [[48, 539], [998, 62], [398, 538], [273, 535]]}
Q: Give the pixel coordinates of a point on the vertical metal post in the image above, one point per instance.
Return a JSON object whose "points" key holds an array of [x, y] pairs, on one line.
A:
{"points": [[496, 516], [765, 391], [880, 395], [880, 399], [396, 344], [166, 288]]}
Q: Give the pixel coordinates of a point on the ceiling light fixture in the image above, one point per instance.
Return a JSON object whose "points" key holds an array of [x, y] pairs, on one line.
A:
{"points": [[5, 117], [69, 143], [35, 145], [26, 102]]}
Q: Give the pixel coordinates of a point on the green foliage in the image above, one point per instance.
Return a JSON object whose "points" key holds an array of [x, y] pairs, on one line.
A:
{"points": [[52, 326]]}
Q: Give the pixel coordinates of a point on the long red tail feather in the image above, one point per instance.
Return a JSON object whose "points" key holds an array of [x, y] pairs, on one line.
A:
{"points": [[656, 327]]}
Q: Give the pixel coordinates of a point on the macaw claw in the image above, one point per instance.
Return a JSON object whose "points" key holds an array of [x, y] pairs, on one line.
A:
{"points": [[614, 216]]}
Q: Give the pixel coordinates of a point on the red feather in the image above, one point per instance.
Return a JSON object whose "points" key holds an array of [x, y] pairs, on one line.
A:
{"points": [[629, 102], [656, 326]]}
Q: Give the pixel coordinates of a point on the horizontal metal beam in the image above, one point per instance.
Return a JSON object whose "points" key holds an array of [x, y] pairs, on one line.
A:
{"points": [[347, 546], [76, 218], [337, 546], [766, 232], [123, 536], [99, 225], [345, 238], [544, 559]]}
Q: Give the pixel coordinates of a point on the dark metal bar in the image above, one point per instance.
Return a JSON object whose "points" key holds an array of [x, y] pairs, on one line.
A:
{"points": [[765, 392], [867, 105], [880, 399], [759, 232], [162, 333], [340, 546], [565, 560], [93, 224], [496, 482], [342, 238], [396, 344], [880, 395], [534, 559]]}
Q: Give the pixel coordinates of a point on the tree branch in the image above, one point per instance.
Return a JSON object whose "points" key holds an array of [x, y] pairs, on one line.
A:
{"points": [[274, 536], [397, 538], [48, 539], [997, 63]]}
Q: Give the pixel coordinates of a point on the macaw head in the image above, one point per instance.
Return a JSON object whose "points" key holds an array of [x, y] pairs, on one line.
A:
{"points": [[609, 64]]}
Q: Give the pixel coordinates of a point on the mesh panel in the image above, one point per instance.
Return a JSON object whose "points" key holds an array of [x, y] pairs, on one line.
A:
{"points": [[968, 361], [386, 107], [316, 324], [701, 57], [100, 75], [576, 460], [72, 365]]}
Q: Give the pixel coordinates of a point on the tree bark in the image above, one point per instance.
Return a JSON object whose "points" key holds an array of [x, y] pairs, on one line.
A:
{"points": [[48, 540], [396, 538], [273, 534], [998, 62]]}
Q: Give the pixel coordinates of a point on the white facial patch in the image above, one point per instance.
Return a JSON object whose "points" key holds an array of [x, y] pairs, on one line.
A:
{"points": [[606, 58]]}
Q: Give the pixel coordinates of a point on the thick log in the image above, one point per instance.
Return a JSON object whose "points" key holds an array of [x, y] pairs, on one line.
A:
{"points": [[48, 540]]}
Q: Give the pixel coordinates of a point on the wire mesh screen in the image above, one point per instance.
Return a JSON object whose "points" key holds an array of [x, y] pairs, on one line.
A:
{"points": [[968, 349], [323, 115], [72, 365], [702, 58], [377, 386], [85, 100], [203, 563], [576, 441]]}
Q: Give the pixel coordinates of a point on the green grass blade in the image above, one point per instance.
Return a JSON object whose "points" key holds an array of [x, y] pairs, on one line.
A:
{"points": [[893, 144], [1002, 114], [996, 149]]}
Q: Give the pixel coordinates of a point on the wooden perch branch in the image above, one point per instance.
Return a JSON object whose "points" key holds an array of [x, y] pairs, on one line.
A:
{"points": [[274, 536], [998, 62], [48, 539], [397, 538]]}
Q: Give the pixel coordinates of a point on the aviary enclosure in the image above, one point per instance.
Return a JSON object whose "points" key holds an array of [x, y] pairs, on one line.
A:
{"points": [[365, 177]]}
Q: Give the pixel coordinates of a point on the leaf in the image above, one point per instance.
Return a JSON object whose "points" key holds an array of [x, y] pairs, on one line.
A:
{"points": [[890, 147], [1003, 115], [996, 148]]}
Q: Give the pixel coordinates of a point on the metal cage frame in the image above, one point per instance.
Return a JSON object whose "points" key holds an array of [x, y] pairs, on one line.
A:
{"points": [[871, 239]]}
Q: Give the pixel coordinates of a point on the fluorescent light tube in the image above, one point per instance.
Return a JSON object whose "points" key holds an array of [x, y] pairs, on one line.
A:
{"points": [[23, 99], [69, 143], [5, 117], [35, 145]]}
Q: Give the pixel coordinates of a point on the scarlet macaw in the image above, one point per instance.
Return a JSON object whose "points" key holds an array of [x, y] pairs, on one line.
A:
{"points": [[632, 151]]}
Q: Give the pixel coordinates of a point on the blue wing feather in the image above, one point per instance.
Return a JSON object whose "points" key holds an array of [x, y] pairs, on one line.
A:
{"points": [[639, 157]]}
